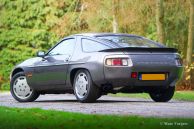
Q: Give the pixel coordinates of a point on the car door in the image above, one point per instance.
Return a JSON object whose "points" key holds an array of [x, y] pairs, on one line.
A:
{"points": [[51, 71]]}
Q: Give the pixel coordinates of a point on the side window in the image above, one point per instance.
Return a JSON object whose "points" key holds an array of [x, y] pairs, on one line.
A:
{"points": [[64, 48], [93, 46]]}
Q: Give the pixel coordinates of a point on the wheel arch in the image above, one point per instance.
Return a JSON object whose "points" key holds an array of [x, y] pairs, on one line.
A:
{"points": [[16, 70], [73, 72]]}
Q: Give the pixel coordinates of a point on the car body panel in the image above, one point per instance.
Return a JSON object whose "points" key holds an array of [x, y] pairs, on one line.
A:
{"points": [[51, 70], [54, 73]]}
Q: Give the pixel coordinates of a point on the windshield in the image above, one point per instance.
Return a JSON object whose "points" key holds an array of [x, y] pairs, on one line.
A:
{"points": [[131, 41]]}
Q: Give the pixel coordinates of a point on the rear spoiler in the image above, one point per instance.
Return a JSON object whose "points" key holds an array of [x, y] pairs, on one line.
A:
{"points": [[140, 49]]}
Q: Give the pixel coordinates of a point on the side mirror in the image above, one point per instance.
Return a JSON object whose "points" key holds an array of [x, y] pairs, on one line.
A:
{"points": [[40, 54]]}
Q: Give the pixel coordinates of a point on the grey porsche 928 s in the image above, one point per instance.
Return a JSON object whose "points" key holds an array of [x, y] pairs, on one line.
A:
{"points": [[93, 64]]}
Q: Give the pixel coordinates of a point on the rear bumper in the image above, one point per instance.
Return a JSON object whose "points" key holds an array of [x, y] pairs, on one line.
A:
{"points": [[121, 76]]}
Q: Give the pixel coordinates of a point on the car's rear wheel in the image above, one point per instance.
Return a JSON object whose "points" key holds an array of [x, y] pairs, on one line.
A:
{"points": [[20, 89], [163, 95], [84, 88]]}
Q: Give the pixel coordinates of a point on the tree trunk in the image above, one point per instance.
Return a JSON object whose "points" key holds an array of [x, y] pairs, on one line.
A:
{"points": [[160, 20], [115, 16], [190, 45]]}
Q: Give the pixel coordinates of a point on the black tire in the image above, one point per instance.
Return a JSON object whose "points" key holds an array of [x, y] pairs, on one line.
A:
{"points": [[163, 95], [93, 92], [34, 95]]}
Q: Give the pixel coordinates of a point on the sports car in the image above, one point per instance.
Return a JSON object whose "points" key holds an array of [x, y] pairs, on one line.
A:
{"points": [[90, 65]]}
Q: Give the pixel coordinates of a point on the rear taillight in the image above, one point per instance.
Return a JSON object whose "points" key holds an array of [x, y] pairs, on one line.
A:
{"points": [[134, 75], [118, 62], [178, 62]]}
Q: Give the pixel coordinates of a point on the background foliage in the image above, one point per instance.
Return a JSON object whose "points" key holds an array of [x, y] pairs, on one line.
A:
{"points": [[27, 26]]}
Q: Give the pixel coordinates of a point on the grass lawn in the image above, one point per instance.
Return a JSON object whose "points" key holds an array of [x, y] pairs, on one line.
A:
{"points": [[179, 95], [3, 91], [17, 118]]}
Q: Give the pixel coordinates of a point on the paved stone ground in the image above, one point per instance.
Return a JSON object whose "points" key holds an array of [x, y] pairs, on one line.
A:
{"points": [[106, 105]]}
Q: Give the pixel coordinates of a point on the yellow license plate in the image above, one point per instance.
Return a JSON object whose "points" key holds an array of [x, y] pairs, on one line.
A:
{"points": [[153, 77]]}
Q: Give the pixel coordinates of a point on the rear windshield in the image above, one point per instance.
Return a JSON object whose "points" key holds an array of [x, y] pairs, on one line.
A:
{"points": [[131, 41]]}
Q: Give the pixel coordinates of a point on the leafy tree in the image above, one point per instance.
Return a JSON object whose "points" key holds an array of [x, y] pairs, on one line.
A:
{"points": [[115, 15], [27, 26], [190, 45], [24, 28], [160, 20]]}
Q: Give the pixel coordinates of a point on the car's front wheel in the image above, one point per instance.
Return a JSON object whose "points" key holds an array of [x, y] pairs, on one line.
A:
{"points": [[84, 88], [163, 95], [20, 89]]}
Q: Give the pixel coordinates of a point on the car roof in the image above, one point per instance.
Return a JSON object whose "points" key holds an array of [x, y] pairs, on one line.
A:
{"points": [[104, 34], [113, 34]]}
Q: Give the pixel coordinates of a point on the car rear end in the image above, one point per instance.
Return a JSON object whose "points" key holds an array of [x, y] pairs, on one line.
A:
{"points": [[143, 69], [144, 63]]}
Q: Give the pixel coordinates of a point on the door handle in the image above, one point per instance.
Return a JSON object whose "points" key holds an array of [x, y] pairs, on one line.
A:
{"points": [[67, 59]]}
